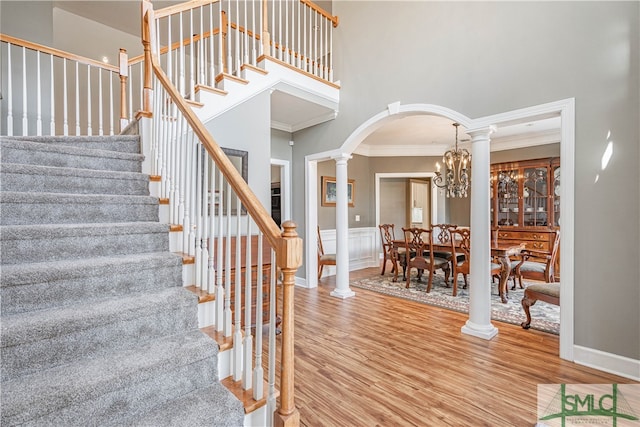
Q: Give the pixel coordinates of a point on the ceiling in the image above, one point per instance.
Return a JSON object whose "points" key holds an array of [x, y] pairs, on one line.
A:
{"points": [[432, 135]]}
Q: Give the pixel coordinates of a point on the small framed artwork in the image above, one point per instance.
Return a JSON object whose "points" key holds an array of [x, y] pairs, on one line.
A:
{"points": [[329, 192]]}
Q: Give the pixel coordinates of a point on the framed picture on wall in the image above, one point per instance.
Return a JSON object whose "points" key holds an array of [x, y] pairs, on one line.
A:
{"points": [[329, 192]]}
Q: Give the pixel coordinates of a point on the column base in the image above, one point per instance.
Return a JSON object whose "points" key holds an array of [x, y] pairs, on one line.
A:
{"points": [[342, 293], [485, 332]]}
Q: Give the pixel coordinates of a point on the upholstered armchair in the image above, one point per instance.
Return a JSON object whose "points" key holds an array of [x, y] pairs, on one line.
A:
{"points": [[539, 265]]}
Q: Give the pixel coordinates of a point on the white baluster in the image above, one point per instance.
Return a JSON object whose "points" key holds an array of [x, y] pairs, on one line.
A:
{"points": [[212, 227], [65, 91], [315, 52], [258, 373], [100, 112], [201, 51], [254, 40], [272, 29], [287, 40], [89, 130], [181, 60], [110, 103], [77, 78], [9, 93], [280, 41], [192, 73], [204, 214], [237, 336], [52, 124], [220, 47], [198, 216], [187, 167], [212, 76], [227, 266], [169, 52], [228, 29], [330, 77], [298, 47], [271, 396], [304, 36], [247, 372], [238, 41], [219, 260], [130, 96], [38, 97], [25, 107], [246, 34]]}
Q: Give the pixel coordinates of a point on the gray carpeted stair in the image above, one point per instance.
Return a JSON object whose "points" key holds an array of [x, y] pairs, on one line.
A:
{"points": [[96, 328]]}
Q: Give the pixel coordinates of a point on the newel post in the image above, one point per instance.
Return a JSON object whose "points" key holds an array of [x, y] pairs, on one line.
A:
{"points": [[147, 23], [123, 62], [289, 260]]}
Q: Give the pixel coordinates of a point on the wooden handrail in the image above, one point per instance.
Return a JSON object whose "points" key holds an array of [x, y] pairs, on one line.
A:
{"points": [[170, 10], [56, 52], [240, 187], [312, 5]]}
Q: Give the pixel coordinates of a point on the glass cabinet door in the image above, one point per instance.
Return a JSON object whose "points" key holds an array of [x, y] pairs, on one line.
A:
{"points": [[556, 195], [507, 197], [535, 197]]}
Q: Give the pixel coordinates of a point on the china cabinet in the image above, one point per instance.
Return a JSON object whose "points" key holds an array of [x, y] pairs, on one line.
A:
{"points": [[525, 203], [526, 193]]}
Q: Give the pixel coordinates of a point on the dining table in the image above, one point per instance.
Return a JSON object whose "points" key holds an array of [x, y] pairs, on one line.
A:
{"points": [[500, 251]]}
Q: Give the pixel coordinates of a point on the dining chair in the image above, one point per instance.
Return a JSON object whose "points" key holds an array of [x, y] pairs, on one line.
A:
{"points": [[539, 265], [442, 236], [461, 260], [323, 258], [390, 251], [419, 255]]}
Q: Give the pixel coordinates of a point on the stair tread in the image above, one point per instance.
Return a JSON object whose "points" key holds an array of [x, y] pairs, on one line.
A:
{"points": [[61, 198], [40, 231], [88, 378], [70, 150], [195, 409], [33, 326], [18, 274], [69, 171]]}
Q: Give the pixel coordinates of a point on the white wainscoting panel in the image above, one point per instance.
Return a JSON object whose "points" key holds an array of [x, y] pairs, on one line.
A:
{"points": [[363, 248]]}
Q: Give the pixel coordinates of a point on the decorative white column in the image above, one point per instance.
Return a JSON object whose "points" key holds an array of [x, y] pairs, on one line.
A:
{"points": [[479, 323], [342, 229]]}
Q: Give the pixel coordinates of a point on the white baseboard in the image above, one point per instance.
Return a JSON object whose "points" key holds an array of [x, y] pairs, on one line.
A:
{"points": [[302, 282], [607, 362]]}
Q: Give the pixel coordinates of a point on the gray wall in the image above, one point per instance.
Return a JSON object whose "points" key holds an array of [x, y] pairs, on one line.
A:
{"points": [[230, 130], [280, 148], [483, 58]]}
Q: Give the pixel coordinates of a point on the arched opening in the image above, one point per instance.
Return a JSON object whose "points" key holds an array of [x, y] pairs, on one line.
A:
{"points": [[563, 109]]}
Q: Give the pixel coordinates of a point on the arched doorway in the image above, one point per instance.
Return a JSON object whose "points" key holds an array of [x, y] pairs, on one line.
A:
{"points": [[565, 109]]}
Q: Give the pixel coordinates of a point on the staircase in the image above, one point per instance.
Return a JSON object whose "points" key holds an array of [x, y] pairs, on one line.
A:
{"points": [[96, 328]]}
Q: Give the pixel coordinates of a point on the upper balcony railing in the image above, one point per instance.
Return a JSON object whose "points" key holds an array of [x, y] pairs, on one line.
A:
{"points": [[46, 91]]}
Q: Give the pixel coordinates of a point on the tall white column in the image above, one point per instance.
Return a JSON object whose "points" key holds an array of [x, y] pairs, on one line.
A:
{"points": [[342, 229], [479, 323]]}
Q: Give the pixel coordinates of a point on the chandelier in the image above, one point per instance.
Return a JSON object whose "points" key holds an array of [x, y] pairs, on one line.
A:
{"points": [[456, 177]]}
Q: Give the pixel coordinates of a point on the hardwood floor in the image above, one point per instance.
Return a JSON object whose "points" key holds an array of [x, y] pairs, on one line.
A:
{"points": [[374, 360]]}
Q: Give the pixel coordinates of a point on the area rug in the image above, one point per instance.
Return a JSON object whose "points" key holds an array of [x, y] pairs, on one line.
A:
{"points": [[544, 317]]}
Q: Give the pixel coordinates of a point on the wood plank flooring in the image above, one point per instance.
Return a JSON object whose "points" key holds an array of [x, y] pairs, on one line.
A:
{"points": [[375, 360]]}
